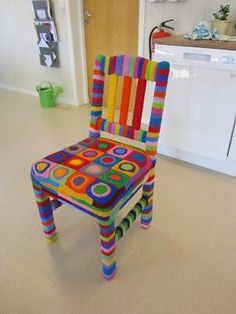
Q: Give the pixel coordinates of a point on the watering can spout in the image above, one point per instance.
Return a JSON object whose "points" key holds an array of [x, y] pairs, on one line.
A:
{"points": [[57, 90], [48, 94]]}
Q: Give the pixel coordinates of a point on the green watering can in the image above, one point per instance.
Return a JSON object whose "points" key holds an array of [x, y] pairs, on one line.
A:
{"points": [[48, 94]]}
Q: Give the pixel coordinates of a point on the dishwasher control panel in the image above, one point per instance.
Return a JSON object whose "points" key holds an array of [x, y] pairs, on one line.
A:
{"points": [[228, 59], [203, 57]]}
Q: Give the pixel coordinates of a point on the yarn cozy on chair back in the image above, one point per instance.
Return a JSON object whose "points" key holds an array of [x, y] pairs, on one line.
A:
{"points": [[131, 69]]}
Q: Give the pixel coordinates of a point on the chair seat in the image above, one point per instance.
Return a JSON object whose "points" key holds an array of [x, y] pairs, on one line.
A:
{"points": [[95, 175]]}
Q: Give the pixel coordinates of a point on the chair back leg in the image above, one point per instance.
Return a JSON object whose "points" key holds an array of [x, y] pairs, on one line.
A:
{"points": [[45, 212], [146, 215], [108, 246]]}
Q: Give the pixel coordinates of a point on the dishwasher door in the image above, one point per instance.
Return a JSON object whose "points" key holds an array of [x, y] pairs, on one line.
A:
{"points": [[200, 104], [199, 111]]}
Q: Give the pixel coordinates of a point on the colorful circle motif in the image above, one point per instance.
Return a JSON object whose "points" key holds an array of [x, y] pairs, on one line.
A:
{"points": [[90, 153], [109, 160], [102, 194], [115, 178], [93, 169], [88, 141], [41, 167], [138, 157], [78, 180], [59, 156], [126, 166], [103, 145], [73, 148], [101, 190], [60, 173], [76, 162], [120, 151]]}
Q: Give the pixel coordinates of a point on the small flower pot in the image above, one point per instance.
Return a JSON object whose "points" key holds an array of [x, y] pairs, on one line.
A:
{"points": [[221, 26]]}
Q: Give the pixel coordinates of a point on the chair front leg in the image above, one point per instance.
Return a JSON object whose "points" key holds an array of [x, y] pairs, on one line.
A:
{"points": [[108, 246], [45, 212], [148, 188]]}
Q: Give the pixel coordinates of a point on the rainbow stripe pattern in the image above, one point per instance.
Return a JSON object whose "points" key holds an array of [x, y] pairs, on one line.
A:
{"points": [[98, 175]]}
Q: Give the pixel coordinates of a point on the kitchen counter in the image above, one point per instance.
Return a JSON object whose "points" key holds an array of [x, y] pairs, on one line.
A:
{"points": [[179, 40]]}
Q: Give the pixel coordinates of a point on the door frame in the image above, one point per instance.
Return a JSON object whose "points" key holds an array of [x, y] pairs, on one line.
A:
{"points": [[76, 47], [141, 27]]}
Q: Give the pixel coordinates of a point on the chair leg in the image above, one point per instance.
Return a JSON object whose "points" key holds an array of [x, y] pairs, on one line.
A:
{"points": [[46, 213], [146, 215], [108, 246]]}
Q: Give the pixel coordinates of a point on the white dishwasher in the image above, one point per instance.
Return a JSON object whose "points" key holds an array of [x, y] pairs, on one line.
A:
{"points": [[199, 118]]}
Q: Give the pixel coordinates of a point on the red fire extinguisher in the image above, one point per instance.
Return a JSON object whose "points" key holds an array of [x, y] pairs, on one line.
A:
{"points": [[160, 33]]}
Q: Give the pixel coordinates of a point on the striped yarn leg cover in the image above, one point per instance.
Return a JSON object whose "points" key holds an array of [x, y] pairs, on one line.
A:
{"points": [[130, 218], [45, 212], [108, 245], [55, 204], [146, 216]]}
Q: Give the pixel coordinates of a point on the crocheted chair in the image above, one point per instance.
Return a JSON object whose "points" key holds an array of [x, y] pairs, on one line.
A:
{"points": [[97, 175]]}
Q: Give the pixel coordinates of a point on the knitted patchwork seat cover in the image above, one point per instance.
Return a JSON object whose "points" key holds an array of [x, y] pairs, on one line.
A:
{"points": [[94, 175]]}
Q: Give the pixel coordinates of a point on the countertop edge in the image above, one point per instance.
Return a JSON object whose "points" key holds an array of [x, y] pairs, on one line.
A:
{"points": [[179, 40]]}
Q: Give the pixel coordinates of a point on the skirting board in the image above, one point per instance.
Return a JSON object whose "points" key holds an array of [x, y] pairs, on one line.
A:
{"points": [[62, 100], [227, 167]]}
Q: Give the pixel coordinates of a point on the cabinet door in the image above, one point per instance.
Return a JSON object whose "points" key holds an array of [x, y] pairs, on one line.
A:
{"points": [[199, 111]]}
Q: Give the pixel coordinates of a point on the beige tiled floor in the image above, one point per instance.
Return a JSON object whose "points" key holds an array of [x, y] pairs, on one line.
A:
{"points": [[184, 264]]}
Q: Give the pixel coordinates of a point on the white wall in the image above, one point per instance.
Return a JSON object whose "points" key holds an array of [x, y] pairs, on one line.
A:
{"points": [[186, 14], [19, 60]]}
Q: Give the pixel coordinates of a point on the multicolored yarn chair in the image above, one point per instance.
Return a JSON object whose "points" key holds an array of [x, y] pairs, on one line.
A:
{"points": [[97, 175]]}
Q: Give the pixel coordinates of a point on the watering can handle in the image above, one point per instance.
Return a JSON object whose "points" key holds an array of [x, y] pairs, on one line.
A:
{"points": [[39, 86]]}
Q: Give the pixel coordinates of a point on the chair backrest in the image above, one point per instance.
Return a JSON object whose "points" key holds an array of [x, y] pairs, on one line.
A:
{"points": [[130, 68]]}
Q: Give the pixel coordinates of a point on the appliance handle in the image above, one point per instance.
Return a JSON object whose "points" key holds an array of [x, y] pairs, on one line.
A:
{"points": [[231, 137]]}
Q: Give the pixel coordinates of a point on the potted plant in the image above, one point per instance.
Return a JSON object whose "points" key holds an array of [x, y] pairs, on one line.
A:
{"points": [[221, 22]]}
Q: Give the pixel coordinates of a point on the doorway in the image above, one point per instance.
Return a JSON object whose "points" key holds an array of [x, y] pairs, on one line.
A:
{"points": [[111, 28]]}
